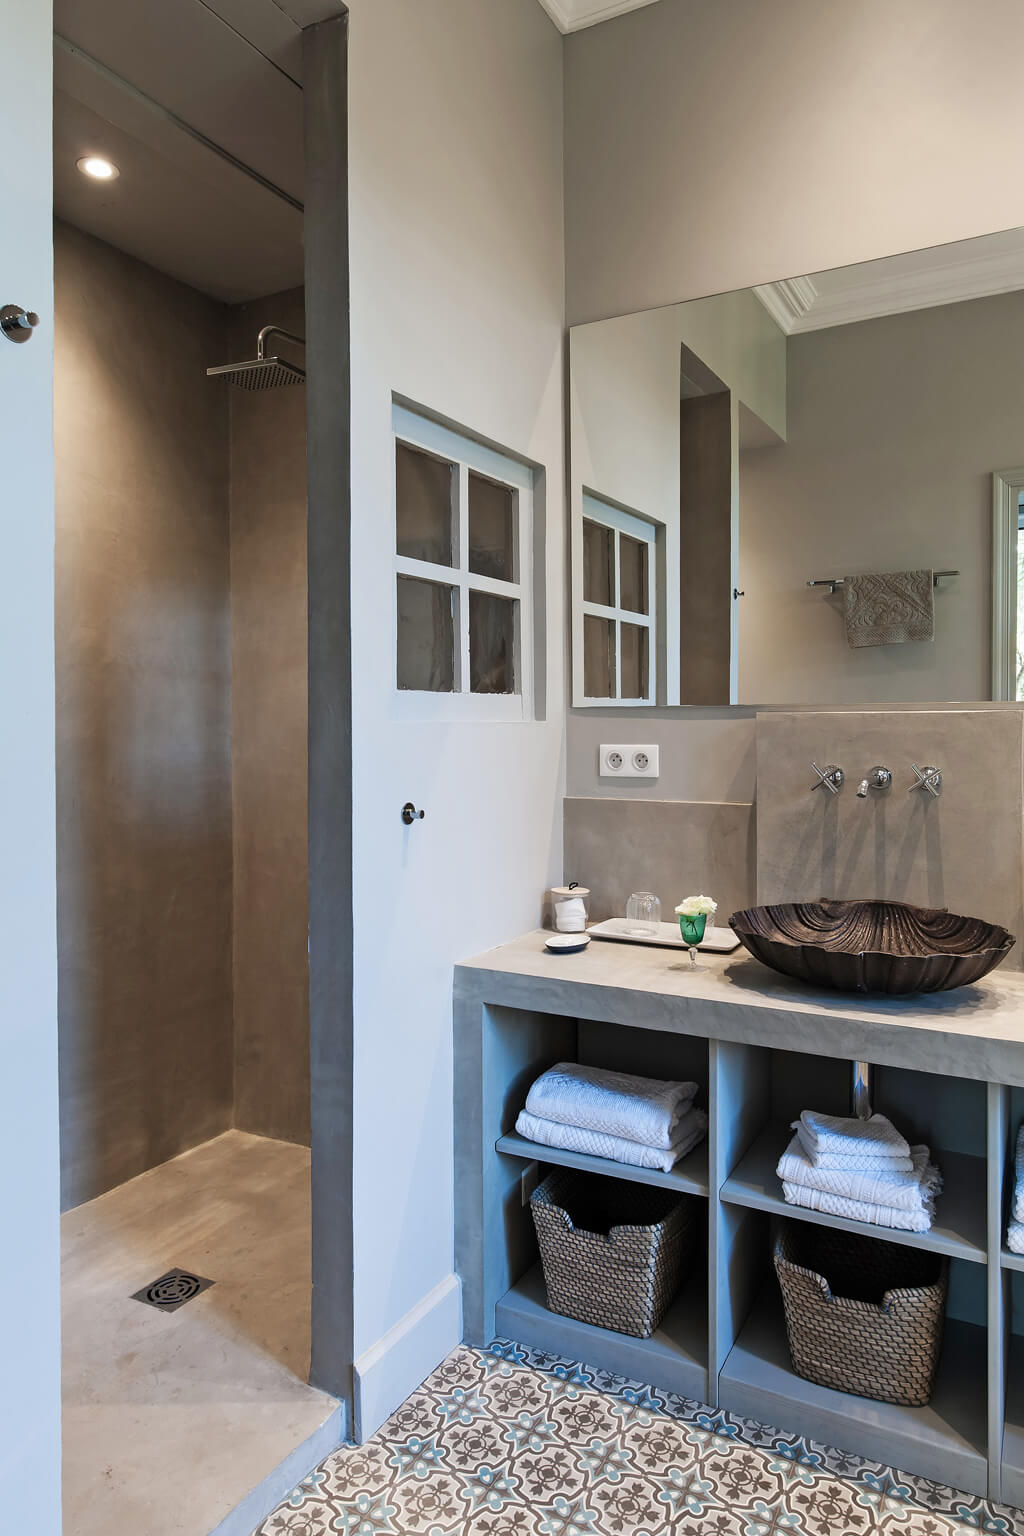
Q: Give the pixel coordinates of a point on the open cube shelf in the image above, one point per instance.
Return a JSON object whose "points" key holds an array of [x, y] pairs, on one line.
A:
{"points": [[724, 1339]]}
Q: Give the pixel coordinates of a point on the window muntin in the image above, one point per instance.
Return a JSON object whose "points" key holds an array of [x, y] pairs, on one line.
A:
{"points": [[463, 575]]}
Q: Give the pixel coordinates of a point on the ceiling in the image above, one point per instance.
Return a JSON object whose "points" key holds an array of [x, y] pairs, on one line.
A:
{"points": [[942, 274], [572, 15], [199, 104]]}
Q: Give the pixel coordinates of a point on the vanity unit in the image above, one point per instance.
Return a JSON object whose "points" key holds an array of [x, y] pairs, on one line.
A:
{"points": [[948, 1069]]}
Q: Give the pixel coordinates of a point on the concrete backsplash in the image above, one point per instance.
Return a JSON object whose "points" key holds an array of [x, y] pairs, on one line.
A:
{"points": [[674, 848], [963, 851]]}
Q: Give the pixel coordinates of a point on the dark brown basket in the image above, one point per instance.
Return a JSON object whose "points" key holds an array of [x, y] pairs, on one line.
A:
{"points": [[863, 1316], [614, 1252]]}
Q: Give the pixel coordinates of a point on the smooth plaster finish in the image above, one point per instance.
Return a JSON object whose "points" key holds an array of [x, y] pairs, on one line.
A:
{"points": [[331, 1000], [963, 851], [29, 1156], [712, 147], [934, 398], [171, 1420], [269, 727], [472, 329], [671, 847], [143, 718]]}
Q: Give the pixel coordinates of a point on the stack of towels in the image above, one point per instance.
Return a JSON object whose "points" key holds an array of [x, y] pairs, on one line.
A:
{"points": [[861, 1169], [1015, 1234], [638, 1120]]}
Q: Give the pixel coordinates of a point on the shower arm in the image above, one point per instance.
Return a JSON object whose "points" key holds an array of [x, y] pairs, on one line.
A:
{"points": [[275, 330]]}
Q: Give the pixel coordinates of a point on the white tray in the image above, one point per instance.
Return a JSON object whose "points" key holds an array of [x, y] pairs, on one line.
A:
{"points": [[720, 941]]}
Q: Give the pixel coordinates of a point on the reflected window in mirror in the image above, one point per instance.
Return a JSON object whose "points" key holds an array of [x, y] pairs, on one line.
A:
{"points": [[615, 632], [818, 456]]}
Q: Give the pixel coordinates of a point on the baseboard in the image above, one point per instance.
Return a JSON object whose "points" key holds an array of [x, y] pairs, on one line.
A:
{"points": [[386, 1373], [268, 1494]]}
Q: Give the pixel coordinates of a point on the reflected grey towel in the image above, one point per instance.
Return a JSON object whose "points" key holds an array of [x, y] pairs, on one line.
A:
{"points": [[645, 1109], [889, 608]]}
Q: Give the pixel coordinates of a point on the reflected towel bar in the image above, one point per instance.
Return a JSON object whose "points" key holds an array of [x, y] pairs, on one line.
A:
{"points": [[835, 582]]}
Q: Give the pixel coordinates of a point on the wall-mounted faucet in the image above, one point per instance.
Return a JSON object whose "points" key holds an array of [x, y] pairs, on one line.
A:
{"points": [[879, 779], [830, 777], [927, 778]]}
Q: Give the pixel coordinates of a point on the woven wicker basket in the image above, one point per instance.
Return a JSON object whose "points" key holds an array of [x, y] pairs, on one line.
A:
{"points": [[862, 1315], [614, 1252]]}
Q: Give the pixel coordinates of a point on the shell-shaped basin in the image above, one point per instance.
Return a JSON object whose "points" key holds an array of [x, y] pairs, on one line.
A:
{"points": [[872, 946]]}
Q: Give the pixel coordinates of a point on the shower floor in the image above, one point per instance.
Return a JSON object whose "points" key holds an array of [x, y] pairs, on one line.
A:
{"points": [[172, 1419]]}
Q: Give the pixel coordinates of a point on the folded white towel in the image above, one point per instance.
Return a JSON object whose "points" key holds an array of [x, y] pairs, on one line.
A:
{"points": [[642, 1109], [1018, 1177], [876, 1215], [1015, 1236], [900, 1190], [845, 1141], [574, 1138]]}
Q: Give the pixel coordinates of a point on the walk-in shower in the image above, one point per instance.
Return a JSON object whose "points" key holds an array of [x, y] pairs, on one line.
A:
{"points": [[263, 372]]}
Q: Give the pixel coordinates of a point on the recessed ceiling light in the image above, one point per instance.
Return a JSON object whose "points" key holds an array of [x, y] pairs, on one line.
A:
{"points": [[98, 168]]}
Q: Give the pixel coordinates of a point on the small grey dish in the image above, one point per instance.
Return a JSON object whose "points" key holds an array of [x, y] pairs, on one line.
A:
{"points": [[566, 943]]}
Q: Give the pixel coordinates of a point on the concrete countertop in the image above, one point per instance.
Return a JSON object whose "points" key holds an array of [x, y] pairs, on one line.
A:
{"points": [[975, 1031]]}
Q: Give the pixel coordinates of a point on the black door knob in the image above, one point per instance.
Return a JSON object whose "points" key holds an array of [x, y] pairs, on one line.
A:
{"points": [[411, 814]]}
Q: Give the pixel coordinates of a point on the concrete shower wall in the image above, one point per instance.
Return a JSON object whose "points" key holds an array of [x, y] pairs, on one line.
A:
{"points": [[268, 700], [143, 718]]}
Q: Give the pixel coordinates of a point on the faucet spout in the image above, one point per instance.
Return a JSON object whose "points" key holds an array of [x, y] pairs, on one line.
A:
{"points": [[862, 789]]}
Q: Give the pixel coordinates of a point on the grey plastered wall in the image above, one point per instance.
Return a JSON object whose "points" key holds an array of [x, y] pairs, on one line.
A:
{"points": [[269, 727], [684, 123], [671, 847], [962, 851], [143, 718]]}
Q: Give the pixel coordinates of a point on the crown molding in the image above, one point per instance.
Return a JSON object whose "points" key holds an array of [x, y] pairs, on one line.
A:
{"points": [[788, 302], [798, 305], [573, 15]]}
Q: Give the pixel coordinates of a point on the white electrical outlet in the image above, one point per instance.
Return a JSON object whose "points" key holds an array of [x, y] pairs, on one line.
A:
{"points": [[634, 762]]}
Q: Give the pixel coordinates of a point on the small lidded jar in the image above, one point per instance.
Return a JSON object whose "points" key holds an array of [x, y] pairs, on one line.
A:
{"points": [[570, 905]]}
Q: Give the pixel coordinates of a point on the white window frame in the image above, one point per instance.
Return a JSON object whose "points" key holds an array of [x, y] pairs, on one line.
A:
{"points": [[1007, 484], [635, 526], [467, 455]]}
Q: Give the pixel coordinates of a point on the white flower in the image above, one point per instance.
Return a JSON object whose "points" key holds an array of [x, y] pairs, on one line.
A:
{"points": [[697, 906]]}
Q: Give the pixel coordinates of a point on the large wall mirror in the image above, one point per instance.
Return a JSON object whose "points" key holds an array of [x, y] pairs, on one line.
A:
{"points": [[805, 493]]}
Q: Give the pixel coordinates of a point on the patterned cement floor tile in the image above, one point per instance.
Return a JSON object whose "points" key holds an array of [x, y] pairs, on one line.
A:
{"points": [[513, 1442]]}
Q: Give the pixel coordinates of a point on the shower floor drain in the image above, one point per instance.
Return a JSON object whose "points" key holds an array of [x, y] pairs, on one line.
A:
{"points": [[172, 1290]]}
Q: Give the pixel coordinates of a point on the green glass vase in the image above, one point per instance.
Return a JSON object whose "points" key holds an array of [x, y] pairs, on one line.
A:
{"points": [[692, 930]]}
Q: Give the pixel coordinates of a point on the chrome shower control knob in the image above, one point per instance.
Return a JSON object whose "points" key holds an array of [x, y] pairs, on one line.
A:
{"points": [[16, 323], [928, 778], [879, 779], [830, 777]]}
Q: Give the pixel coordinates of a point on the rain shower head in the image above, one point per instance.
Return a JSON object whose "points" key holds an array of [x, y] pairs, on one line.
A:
{"points": [[263, 372]]}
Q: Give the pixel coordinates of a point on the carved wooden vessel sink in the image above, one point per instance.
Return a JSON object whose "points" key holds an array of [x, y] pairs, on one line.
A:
{"points": [[872, 946]]}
